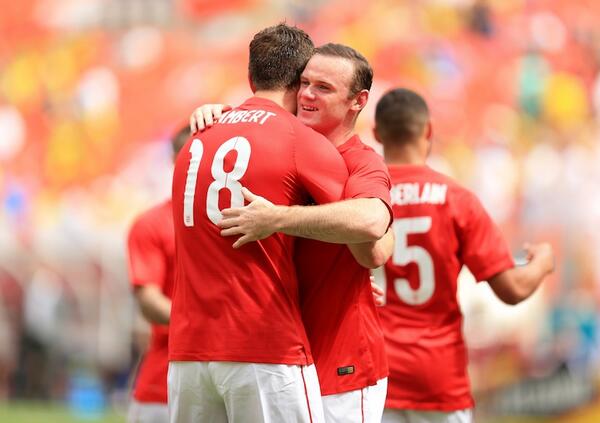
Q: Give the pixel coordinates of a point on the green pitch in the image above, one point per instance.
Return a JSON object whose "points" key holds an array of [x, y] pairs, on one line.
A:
{"points": [[26, 412]]}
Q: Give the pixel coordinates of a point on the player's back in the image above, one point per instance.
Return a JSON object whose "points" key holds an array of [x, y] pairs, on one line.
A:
{"points": [[439, 226], [242, 304]]}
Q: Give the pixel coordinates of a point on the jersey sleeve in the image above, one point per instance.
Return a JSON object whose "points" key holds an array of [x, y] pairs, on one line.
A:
{"points": [[320, 167], [369, 178], [147, 264], [483, 248]]}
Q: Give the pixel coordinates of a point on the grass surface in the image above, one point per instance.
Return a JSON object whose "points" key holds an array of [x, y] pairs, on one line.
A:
{"points": [[35, 412], [26, 412]]}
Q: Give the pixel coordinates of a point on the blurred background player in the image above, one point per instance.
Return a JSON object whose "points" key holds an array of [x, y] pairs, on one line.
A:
{"points": [[238, 350], [346, 341], [151, 248], [439, 227]]}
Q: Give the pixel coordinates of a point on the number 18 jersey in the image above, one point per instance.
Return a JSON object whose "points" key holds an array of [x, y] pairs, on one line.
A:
{"points": [[242, 304], [439, 226]]}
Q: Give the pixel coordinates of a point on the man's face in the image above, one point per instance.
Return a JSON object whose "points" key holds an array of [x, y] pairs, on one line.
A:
{"points": [[323, 101]]}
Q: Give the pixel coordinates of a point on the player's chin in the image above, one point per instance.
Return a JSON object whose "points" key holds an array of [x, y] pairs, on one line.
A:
{"points": [[308, 118]]}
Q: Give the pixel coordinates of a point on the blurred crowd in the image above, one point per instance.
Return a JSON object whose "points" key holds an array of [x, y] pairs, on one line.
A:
{"points": [[89, 92]]}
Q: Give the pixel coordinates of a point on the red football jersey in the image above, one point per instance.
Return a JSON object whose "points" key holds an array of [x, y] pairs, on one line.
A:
{"points": [[151, 247], [335, 291], [242, 304], [439, 226]]}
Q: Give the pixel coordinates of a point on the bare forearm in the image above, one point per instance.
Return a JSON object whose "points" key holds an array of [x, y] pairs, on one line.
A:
{"points": [[375, 253], [155, 307], [519, 283], [345, 222], [529, 277]]}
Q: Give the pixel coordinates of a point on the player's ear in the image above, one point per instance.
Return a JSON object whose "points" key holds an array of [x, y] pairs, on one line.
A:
{"points": [[252, 86], [428, 132], [360, 100]]}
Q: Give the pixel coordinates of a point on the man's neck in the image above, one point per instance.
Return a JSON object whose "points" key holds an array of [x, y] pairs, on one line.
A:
{"points": [[283, 98], [403, 156], [341, 133]]}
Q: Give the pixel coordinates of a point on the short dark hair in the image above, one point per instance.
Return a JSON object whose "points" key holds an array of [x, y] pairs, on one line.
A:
{"points": [[363, 73], [278, 55], [401, 116], [179, 138]]}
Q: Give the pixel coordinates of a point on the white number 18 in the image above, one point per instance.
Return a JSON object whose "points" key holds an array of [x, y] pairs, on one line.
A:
{"points": [[221, 179]]}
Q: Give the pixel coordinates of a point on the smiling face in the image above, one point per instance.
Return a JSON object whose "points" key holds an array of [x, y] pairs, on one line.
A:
{"points": [[324, 101]]}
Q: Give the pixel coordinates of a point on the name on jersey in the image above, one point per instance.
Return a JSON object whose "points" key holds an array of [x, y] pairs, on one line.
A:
{"points": [[237, 116], [413, 193]]}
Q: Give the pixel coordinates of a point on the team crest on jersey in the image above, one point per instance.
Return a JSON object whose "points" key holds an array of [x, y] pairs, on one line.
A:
{"points": [[346, 370]]}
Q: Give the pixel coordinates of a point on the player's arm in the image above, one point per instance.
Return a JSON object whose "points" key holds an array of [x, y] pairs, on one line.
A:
{"points": [[357, 220], [147, 269], [155, 306], [516, 284], [375, 253], [350, 221], [369, 178]]}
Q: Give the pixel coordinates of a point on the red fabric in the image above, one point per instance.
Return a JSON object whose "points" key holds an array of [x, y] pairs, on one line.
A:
{"points": [[337, 305], [426, 350], [151, 247], [242, 304]]}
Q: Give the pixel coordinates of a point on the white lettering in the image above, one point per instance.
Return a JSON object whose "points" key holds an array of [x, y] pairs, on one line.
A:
{"points": [[426, 194], [236, 116], [438, 195], [247, 115], [269, 114], [257, 114], [239, 116], [226, 117], [408, 193]]}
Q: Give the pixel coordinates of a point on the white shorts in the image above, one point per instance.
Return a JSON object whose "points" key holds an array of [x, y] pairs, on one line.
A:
{"points": [[419, 416], [223, 391], [147, 412], [359, 406]]}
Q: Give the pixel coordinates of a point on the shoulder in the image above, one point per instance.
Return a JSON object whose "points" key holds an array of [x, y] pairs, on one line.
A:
{"points": [[463, 202], [304, 132], [311, 142], [151, 220], [455, 189], [358, 154]]}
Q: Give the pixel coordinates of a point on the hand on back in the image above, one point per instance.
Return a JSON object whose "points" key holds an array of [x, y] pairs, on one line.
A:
{"points": [[206, 116], [253, 222]]}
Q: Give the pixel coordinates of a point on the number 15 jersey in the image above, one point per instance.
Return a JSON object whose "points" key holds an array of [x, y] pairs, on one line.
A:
{"points": [[439, 226], [242, 304]]}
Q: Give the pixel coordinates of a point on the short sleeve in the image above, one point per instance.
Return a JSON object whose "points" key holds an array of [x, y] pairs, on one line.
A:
{"points": [[147, 261], [369, 177], [320, 167], [482, 247]]}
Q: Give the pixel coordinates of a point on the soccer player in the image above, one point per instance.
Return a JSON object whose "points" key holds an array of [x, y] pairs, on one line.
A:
{"points": [[439, 227], [238, 351], [335, 292], [151, 248]]}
